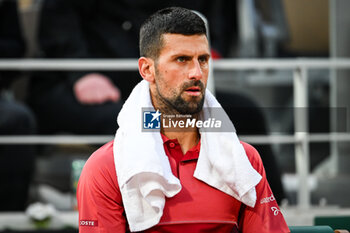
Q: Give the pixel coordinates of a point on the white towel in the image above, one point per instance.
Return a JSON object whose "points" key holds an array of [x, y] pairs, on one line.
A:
{"points": [[144, 173]]}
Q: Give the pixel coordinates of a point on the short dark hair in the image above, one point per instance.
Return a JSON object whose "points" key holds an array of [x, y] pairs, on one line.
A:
{"points": [[174, 20]]}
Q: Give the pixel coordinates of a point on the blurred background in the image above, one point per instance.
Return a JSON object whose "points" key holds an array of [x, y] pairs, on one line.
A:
{"points": [[280, 70]]}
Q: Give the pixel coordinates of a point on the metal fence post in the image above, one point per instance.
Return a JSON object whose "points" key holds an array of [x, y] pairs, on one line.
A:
{"points": [[301, 134]]}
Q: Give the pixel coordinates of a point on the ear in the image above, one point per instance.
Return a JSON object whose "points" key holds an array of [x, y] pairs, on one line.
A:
{"points": [[146, 69]]}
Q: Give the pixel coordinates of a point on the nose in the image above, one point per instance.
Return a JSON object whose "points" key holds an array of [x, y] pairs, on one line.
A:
{"points": [[195, 71]]}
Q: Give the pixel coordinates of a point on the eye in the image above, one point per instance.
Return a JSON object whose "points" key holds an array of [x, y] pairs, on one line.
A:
{"points": [[181, 59], [203, 59]]}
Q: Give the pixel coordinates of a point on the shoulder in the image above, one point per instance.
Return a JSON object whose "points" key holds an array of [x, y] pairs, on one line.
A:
{"points": [[253, 156], [100, 166], [102, 158]]}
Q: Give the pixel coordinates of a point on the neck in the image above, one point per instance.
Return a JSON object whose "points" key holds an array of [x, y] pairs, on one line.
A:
{"points": [[187, 139]]}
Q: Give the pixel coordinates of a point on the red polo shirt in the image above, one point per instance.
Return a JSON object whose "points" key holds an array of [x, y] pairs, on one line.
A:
{"points": [[196, 208]]}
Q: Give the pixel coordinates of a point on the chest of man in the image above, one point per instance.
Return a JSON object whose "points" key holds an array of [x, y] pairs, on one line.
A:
{"points": [[198, 207]]}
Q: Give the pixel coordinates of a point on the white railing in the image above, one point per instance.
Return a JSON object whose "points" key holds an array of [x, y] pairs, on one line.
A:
{"points": [[131, 64], [300, 67]]}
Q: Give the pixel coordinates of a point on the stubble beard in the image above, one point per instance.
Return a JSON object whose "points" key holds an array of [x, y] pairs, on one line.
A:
{"points": [[176, 104]]}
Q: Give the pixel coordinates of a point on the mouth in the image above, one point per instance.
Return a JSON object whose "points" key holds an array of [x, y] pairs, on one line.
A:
{"points": [[193, 91]]}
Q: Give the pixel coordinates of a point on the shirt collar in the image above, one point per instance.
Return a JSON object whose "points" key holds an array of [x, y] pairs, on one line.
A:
{"points": [[191, 154]]}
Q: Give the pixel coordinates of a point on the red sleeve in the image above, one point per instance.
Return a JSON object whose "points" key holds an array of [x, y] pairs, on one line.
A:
{"points": [[99, 199], [266, 216]]}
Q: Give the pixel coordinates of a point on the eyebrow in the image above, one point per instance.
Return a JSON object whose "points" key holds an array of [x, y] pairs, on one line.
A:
{"points": [[205, 55]]}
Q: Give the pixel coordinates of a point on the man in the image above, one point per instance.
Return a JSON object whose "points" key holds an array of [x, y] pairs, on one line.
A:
{"points": [[179, 179], [109, 29]]}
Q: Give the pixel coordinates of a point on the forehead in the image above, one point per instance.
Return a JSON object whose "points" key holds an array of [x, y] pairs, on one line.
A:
{"points": [[174, 44]]}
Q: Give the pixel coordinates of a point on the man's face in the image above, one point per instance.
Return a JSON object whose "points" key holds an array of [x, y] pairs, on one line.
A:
{"points": [[181, 73]]}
